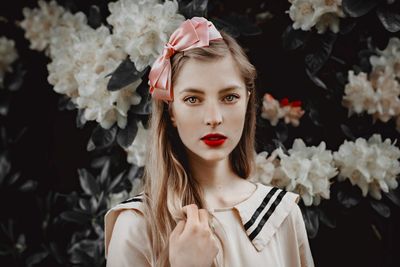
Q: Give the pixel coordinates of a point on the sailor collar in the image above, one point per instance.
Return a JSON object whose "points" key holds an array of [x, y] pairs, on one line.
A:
{"points": [[263, 212]]}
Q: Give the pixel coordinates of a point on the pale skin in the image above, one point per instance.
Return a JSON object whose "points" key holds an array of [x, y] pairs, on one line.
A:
{"points": [[217, 105]]}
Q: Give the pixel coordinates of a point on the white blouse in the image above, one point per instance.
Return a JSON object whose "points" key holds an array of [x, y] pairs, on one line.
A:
{"points": [[266, 229]]}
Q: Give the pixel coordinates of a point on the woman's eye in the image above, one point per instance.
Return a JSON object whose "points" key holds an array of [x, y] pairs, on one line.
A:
{"points": [[191, 99], [231, 98]]}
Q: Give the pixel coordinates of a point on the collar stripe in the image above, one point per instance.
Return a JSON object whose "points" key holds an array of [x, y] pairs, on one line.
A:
{"points": [[260, 208], [133, 199], [267, 215]]}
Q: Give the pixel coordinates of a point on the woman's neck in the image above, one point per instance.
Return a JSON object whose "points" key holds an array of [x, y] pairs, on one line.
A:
{"points": [[222, 187]]}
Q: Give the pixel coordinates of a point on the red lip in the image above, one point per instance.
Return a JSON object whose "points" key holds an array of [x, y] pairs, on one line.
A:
{"points": [[214, 140]]}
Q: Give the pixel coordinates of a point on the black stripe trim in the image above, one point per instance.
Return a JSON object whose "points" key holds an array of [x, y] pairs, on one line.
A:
{"points": [[133, 199], [267, 215], [260, 208]]}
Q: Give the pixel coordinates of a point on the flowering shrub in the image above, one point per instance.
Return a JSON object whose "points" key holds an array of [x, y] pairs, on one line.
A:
{"points": [[372, 165], [378, 94], [306, 171]]}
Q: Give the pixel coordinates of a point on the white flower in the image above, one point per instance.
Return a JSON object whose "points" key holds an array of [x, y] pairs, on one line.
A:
{"points": [[273, 111], [95, 57], [142, 27], [265, 169], [136, 152], [308, 171], [359, 94], [322, 14], [8, 54], [388, 58], [62, 52], [79, 69], [387, 90], [39, 23], [378, 97], [372, 165]]}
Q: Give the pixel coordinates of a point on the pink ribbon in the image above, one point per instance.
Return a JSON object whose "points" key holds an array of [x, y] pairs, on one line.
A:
{"points": [[192, 33]]}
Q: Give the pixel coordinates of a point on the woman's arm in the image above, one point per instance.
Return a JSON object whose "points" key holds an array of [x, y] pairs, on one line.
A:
{"points": [[129, 245]]}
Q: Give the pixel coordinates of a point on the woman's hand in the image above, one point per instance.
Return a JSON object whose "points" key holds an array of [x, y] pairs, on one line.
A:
{"points": [[191, 243]]}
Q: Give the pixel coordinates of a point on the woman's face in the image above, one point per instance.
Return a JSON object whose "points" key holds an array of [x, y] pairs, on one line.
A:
{"points": [[209, 97]]}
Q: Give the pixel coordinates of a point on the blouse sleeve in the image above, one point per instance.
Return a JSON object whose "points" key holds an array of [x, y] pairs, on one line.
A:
{"points": [[127, 242], [304, 247]]}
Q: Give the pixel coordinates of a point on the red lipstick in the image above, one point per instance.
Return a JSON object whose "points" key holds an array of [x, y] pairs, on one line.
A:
{"points": [[214, 140]]}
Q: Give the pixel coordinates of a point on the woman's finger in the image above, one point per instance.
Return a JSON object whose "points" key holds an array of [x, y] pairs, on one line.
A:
{"points": [[192, 214], [178, 228], [203, 217]]}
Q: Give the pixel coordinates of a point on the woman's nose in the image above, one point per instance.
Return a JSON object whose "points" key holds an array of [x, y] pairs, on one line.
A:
{"points": [[212, 115]]}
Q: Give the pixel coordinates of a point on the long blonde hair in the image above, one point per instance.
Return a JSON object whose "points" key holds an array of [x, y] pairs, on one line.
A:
{"points": [[168, 185]]}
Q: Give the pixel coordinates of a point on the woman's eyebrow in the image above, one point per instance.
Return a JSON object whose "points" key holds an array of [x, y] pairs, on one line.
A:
{"points": [[199, 91]]}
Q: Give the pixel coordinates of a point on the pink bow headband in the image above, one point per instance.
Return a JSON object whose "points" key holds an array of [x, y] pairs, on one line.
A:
{"points": [[192, 33]]}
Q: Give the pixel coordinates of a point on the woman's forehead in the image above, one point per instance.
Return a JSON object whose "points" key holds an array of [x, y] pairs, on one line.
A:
{"points": [[198, 76]]}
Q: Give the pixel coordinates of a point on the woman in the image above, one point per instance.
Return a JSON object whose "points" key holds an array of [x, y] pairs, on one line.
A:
{"points": [[198, 207]]}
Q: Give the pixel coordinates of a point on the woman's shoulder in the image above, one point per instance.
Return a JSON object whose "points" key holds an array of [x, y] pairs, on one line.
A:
{"points": [[127, 216]]}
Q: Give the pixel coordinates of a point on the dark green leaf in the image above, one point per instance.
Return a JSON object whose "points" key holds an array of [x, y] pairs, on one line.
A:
{"points": [[65, 103], [85, 205], [116, 181], [347, 25], [195, 8], [5, 167], [57, 253], [327, 220], [125, 74], [81, 258], [144, 107], [28, 186], [317, 81], [293, 39], [358, 8], [281, 131], [104, 175], [347, 199], [103, 137], [93, 204], [80, 122], [311, 221], [381, 208], [5, 100], [134, 172], [99, 162], [394, 196], [13, 178], [76, 216], [126, 136], [36, 258], [313, 114], [226, 27], [88, 183], [17, 78], [94, 19], [389, 19], [347, 132], [322, 46]]}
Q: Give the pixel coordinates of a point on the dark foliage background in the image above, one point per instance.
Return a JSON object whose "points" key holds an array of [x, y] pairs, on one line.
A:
{"points": [[55, 177]]}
